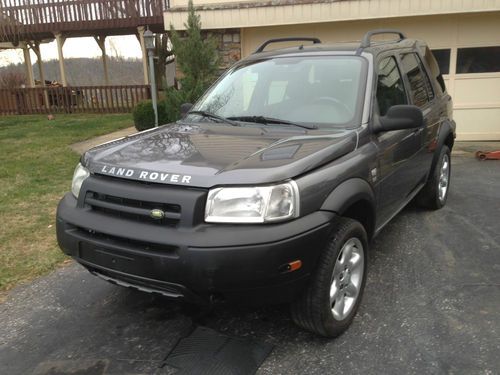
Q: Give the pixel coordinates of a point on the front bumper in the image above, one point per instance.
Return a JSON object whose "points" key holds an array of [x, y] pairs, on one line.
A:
{"points": [[236, 262]]}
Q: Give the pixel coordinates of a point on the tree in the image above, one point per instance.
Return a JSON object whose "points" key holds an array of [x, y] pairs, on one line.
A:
{"points": [[12, 78], [198, 60], [164, 54]]}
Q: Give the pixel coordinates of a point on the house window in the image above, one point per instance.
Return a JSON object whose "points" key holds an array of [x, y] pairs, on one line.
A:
{"points": [[478, 60], [443, 59]]}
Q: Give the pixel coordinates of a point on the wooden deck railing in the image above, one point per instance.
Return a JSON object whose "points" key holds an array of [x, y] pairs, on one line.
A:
{"points": [[30, 17], [75, 99]]}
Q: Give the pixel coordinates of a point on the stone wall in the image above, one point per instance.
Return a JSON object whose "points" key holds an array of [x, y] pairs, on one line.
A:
{"points": [[229, 42]]}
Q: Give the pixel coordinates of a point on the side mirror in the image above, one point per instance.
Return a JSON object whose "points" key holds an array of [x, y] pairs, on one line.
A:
{"points": [[400, 117], [185, 108]]}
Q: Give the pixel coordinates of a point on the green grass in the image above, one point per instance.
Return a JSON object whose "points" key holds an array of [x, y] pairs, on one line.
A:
{"points": [[36, 167]]}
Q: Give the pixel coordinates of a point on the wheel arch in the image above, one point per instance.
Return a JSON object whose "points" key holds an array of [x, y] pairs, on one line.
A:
{"points": [[446, 137], [355, 199]]}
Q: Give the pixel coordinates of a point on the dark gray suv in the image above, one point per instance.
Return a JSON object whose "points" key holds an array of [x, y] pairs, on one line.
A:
{"points": [[272, 186]]}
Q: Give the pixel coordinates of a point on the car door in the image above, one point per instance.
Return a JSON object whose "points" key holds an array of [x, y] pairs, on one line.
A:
{"points": [[422, 95], [397, 150]]}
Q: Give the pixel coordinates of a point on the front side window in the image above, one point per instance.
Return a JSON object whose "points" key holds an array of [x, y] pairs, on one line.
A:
{"points": [[390, 88], [324, 91], [420, 86]]}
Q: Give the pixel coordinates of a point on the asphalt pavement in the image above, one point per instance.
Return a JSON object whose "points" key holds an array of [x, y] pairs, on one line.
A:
{"points": [[431, 306]]}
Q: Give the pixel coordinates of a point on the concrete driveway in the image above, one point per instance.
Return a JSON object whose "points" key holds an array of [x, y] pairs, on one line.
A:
{"points": [[431, 305]]}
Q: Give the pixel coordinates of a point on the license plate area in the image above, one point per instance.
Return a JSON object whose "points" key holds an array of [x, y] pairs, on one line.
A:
{"points": [[117, 260]]}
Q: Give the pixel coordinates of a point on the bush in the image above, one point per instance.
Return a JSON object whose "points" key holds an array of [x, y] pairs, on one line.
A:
{"points": [[144, 116]]}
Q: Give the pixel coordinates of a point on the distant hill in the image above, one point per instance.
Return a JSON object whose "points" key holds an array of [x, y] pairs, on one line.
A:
{"points": [[87, 71]]}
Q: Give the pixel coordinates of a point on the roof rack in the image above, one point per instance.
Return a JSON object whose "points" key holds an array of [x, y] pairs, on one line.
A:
{"points": [[293, 39], [368, 36]]}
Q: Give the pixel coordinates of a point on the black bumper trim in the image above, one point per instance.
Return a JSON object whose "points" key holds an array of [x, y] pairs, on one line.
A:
{"points": [[170, 290]]}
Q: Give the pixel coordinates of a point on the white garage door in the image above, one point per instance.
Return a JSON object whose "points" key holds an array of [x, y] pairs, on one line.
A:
{"points": [[473, 79]]}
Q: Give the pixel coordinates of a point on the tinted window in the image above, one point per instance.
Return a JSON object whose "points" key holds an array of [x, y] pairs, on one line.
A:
{"points": [[443, 59], [390, 88], [428, 84], [478, 60], [420, 88], [435, 69]]}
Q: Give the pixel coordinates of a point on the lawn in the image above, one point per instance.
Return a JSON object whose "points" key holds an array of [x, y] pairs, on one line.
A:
{"points": [[36, 167]]}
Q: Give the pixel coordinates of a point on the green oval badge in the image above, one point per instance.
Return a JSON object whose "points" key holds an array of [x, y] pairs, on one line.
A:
{"points": [[157, 214]]}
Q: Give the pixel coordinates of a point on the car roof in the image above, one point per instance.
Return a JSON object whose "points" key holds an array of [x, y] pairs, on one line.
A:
{"points": [[343, 48]]}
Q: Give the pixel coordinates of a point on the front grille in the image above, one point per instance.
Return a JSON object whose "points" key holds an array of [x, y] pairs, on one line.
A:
{"points": [[125, 243], [132, 209], [133, 201]]}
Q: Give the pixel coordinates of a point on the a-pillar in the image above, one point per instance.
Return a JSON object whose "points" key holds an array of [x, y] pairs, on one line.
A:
{"points": [[101, 42], [140, 36], [29, 66], [60, 39]]}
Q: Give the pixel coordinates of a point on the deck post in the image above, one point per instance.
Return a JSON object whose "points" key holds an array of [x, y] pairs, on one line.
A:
{"points": [[101, 42], [29, 66], [60, 43], [140, 36], [36, 48]]}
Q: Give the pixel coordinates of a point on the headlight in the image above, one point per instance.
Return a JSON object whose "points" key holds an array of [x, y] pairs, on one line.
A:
{"points": [[81, 173], [252, 204]]}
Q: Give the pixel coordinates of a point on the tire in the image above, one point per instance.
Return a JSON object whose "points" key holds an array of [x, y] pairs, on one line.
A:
{"points": [[432, 195], [313, 310]]}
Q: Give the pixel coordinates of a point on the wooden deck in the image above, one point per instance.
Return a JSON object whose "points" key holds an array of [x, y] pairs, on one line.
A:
{"points": [[39, 19]]}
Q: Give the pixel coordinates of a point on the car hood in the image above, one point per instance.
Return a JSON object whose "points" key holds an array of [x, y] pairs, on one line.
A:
{"points": [[206, 155]]}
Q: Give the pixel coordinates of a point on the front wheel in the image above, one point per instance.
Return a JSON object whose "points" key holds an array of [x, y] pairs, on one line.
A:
{"points": [[329, 304], [435, 193]]}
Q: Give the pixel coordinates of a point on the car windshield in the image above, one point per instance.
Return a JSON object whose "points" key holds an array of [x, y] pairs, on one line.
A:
{"points": [[323, 91]]}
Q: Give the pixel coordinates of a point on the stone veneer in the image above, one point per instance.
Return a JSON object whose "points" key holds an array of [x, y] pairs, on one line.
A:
{"points": [[229, 45]]}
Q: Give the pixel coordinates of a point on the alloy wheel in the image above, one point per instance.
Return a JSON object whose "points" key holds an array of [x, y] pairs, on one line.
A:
{"points": [[347, 277]]}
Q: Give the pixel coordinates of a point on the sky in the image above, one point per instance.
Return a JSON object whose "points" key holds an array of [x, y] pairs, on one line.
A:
{"points": [[125, 46]]}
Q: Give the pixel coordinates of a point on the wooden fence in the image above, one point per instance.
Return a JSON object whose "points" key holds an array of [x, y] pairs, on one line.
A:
{"points": [[74, 99]]}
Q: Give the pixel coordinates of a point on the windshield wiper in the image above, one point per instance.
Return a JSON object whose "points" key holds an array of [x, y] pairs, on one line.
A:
{"points": [[213, 116], [270, 120]]}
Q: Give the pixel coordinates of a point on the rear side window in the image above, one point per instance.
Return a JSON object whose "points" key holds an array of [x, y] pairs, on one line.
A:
{"points": [[420, 85], [443, 58], [390, 88], [439, 63]]}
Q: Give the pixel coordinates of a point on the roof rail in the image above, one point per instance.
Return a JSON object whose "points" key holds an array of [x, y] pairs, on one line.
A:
{"points": [[293, 39], [368, 36]]}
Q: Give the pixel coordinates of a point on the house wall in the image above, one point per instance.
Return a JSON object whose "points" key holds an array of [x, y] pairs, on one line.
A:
{"points": [[233, 13]]}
